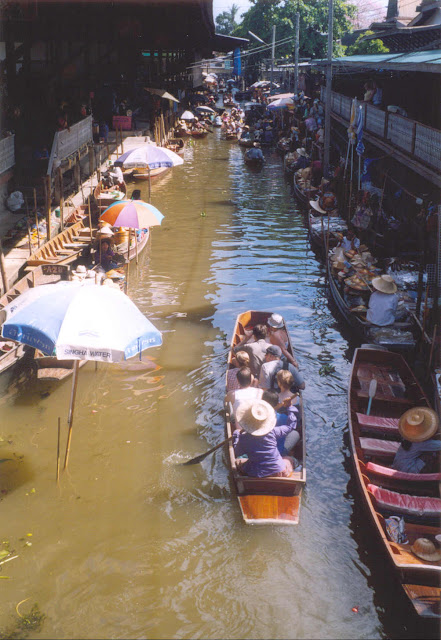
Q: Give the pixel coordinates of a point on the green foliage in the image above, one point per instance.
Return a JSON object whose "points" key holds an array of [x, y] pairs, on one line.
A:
{"points": [[226, 21], [326, 369], [362, 47], [313, 23]]}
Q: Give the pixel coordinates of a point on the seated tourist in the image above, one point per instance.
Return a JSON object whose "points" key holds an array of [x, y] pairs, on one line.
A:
{"points": [[278, 336], [242, 359], [257, 438], [245, 392], [285, 382], [273, 363], [285, 414], [255, 349]]}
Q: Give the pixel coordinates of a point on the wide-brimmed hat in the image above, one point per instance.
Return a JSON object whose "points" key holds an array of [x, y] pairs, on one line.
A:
{"points": [[418, 424], [425, 549], [275, 321], [105, 232], [256, 417], [301, 151], [315, 204], [384, 284], [80, 271]]}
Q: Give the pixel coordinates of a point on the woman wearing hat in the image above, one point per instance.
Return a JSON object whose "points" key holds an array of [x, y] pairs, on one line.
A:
{"points": [[278, 336], [383, 302], [257, 438], [418, 452]]}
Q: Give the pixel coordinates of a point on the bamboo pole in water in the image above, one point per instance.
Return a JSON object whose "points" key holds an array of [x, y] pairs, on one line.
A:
{"points": [[71, 411], [60, 186]]}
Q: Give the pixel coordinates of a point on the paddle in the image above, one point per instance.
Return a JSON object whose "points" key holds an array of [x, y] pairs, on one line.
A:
{"points": [[204, 455], [372, 392]]}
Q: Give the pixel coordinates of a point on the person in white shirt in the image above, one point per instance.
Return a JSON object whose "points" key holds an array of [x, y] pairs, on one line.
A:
{"points": [[350, 242], [383, 302], [245, 392]]}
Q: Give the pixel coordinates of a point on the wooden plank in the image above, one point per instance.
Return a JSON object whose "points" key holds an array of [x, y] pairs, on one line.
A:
{"points": [[267, 509], [425, 600]]}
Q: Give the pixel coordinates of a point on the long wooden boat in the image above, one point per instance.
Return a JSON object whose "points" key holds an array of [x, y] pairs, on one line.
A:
{"points": [[402, 334], [256, 163], [11, 352], [318, 230], [385, 492], [232, 137], [50, 369], [199, 134], [176, 144], [247, 143], [267, 500], [301, 196], [63, 248], [143, 174], [105, 197]]}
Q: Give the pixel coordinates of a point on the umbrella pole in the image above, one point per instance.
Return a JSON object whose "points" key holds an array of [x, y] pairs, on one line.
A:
{"points": [[58, 452], [71, 410], [150, 187], [136, 247], [90, 220], [128, 261]]}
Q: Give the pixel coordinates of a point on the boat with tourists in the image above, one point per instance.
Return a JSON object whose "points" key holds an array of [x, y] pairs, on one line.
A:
{"points": [[385, 404], [266, 500]]}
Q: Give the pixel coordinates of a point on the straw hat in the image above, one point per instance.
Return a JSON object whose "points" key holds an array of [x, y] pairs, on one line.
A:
{"points": [[425, 549], [105, 232], [384, 284], [256, 417], [418, 424], [301, 151], [275, 321], [316, 205], [80, 272]]}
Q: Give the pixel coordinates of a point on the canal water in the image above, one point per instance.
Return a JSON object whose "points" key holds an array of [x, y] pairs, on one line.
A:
{"points": [[131, 545]]}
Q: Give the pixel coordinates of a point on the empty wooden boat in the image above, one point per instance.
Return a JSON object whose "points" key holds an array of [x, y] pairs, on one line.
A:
{"points": [[374, 439], [176, 144], [63, 248], [267, 500]]}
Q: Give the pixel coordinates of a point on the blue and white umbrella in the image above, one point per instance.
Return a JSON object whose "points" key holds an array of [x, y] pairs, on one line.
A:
{"points": [[78, 321]]}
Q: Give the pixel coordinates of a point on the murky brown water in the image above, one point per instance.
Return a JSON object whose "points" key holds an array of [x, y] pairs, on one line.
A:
{"points": [[131, 545]]}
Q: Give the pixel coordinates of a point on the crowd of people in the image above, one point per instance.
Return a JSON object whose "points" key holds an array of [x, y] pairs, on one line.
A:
{"points": [[263, 388]]}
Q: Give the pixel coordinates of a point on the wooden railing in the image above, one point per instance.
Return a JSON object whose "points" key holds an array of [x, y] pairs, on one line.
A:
{"points": [[415, 139], [7, 153], [69, 141]]}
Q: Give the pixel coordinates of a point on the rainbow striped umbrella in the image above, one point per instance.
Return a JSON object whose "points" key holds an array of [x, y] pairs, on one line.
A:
{"points": [[132, 214]]}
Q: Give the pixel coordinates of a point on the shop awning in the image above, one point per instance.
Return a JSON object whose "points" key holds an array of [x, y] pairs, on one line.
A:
{"points": [[423, 61], [162, 93]]}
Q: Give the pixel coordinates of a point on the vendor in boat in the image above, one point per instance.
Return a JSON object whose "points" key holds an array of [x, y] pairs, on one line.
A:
{"points": [[419, 451], [349, 242], [107, 257], [383, 303], [255, 153], [257, 438], [303, 159]]}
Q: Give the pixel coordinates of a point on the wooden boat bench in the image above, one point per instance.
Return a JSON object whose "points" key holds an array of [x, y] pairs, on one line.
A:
{"points": [[378, 424], [379, 448], [416, 483], [420, 507]]}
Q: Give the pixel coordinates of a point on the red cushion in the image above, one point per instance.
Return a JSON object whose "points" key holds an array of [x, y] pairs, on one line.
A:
{"points": [[405, 504], [376, 447], [401, 475], [377, 423]]}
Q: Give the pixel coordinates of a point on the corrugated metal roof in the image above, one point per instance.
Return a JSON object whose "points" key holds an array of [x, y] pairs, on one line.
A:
{"points": [[410, 61]]}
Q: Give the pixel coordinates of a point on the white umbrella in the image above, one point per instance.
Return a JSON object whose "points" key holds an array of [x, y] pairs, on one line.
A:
{"points": [[148, 155], [281, 103], [187, 115], [201, 109], [79, 322]]}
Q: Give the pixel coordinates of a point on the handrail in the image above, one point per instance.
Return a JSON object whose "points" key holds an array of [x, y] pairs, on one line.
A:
{"points": [[410, 136]]}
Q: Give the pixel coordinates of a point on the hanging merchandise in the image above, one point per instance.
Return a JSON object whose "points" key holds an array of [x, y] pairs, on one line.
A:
{"points": [[363, 214]]}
